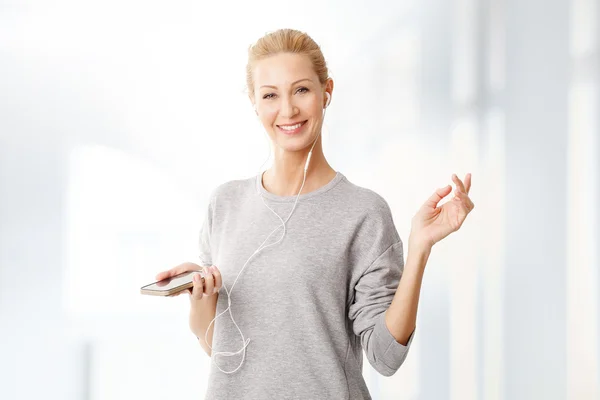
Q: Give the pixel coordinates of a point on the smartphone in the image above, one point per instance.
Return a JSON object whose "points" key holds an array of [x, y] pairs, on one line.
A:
{"points": [[172, 285]]}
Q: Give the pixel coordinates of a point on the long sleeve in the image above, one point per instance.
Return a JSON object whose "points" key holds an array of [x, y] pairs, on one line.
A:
{"points": [[374, 293]]}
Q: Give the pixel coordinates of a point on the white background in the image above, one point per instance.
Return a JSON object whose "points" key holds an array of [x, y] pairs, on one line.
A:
{"points": [[117, 119]]}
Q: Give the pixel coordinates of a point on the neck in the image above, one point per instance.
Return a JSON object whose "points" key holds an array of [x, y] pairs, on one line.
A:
{"points": [[285, 176]]}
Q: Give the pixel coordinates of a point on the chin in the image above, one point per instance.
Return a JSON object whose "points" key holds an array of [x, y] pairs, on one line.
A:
{"points": [[295, 143]]}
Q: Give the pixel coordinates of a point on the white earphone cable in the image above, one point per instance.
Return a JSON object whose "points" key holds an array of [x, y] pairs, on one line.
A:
{"points": [[261, 247]]}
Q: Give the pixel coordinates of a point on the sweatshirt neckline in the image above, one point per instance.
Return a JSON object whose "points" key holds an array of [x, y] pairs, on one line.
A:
{"points": [[272, 196]]}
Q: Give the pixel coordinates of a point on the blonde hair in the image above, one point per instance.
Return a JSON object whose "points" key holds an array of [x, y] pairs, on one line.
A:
{"points": [[285, 41]]}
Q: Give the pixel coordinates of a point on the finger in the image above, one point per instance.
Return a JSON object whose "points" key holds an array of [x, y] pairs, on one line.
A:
{"points": [[172, 272], [459, 185], [198, 289], [218, 278], [438, 195], [468, 182], [180, 269], [209, 282], [162, 275], [464, 200], [167, 274]]}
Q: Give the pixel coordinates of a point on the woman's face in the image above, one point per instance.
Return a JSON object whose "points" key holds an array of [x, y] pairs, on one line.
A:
{"points": [[289, 100]]}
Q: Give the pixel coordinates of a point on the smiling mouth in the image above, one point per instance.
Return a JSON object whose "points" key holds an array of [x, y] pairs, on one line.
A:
{"points": [[290, 129]]}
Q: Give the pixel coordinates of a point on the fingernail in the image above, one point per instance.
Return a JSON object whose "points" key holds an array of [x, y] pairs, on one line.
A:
{"points": [[215, 290]]}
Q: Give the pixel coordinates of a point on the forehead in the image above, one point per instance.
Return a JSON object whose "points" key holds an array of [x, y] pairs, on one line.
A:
{"points": [[283, 69]]}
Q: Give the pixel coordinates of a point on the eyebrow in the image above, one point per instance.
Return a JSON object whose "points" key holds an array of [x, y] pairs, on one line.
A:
{"points": [[293, 83]]}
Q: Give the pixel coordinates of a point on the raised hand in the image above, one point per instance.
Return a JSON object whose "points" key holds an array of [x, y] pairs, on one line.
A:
{"points": [[432, 223]]}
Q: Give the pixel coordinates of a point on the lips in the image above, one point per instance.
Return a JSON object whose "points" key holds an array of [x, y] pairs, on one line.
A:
{"points": [[291, 129]]}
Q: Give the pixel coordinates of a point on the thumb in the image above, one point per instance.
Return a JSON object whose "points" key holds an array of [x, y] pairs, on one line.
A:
{"points": [[164, 275], [438, 195]]}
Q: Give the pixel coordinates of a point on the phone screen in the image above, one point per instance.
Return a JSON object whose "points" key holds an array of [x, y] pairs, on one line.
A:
{"points": [[171, 283]]}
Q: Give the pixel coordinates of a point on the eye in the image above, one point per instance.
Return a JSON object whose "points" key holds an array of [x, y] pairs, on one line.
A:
{"points": [[302, 88], [268, 96]]}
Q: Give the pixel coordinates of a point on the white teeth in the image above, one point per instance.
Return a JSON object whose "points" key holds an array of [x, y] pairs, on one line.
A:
{"points": [[291, 128]]}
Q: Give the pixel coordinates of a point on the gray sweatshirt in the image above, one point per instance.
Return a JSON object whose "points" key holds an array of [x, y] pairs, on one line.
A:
{"points": [[310, 304]]}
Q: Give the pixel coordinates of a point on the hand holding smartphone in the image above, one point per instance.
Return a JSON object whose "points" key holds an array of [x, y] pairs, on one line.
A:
{"points": [[181, 280], [171, 285]]}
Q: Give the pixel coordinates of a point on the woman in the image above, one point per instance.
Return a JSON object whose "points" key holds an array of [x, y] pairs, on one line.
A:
{"points": [[313, 290]]}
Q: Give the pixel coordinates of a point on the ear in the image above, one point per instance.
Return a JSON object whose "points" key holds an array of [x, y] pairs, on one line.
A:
{"points": [[329, 89]]}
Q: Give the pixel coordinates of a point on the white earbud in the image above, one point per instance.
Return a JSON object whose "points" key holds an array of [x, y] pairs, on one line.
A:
{"points": [[328, 99]]}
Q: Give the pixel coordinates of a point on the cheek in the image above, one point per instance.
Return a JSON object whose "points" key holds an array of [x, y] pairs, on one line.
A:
{"points": [[268, 116], [315, 108]]}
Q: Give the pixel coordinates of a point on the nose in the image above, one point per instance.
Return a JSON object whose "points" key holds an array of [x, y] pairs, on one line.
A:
{"points": [[288, 109]]}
